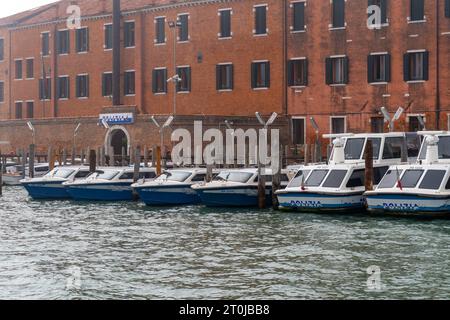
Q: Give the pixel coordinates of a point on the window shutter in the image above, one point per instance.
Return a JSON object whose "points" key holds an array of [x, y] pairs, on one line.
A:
{"points": [[268, 74], [87, 39], [218, 87], [189, 82], [290, 78], [165, 80], [388, 68], [328, 71], [338, 13], [447, 8], [154, 81], [426, 58], [346, 70], [383, 4], [104, 85], [305, 71], [232, 76], [253, 71], [78, 86], [417, 10], [370, 69], [406, 75], [299, 16]]}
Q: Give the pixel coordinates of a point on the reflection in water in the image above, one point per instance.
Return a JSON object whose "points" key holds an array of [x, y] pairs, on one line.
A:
{"points": [[68, 250]]}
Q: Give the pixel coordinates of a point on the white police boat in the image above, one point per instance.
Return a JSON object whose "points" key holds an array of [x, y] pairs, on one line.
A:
{"points": [[107, 184], [339, 185], [422, 188], [50, 186], [172, 187], [14, 174], [236, 188]]}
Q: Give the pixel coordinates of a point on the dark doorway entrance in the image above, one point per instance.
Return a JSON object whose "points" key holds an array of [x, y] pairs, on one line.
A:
{"points": [[119, 144]]}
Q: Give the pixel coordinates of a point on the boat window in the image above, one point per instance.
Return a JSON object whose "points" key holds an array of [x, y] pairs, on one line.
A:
{"points": [[390, 179], [241, 177], [41, 169], [447, 187], [60, 173], [107, 175], [378, 174], [443, 146], [316, 178], [357, 179], [393, 148], [411, 178], [82, 174], [199, 177], [433, 179], [376, 144], [177, 176], [284, 178], [300, 178], [413, 142], [127, 176], [353, 148], [147, 175], [335, 179]]}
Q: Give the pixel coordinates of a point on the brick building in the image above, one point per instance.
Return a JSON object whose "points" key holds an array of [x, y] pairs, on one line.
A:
{"points": [[299, 58]]}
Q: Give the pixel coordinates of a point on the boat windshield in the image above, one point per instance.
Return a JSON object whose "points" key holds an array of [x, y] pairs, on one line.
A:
{"points": [[316, 178], [411, 178], [353, 148], [106, 175], [393, 147], [177, 176], [241, 177], [390, 179], [433, 179], [357, 179], [335, 179], [299, 179], [59, 173], [443, 146]]}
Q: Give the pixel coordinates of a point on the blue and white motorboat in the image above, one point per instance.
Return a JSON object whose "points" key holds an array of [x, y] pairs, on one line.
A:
{"points": [[422, 188], [15, 174], [339, 186], [51, 186], [173, 187], [107, 184], [236, 188]]}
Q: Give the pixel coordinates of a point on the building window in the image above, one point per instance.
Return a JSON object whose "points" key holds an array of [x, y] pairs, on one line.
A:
{"points": [[298, 9], [224, 76], [338, 125], [30, 68], [184, 85], [129, 39], [30, 109], [382, 4], [82, 40], [19, 70], [63, 87], [377, 125], [63, 42], [260, 20], [337, 70], [447, 8], [416, 66], [45, 89], [45, 45], [18, 110], [338, 19], [225, 23], [298, 131], [2, 49], [107, 83], [379, 68], [417, 10], [108, 37], [297, 72], [159, 81], [183, 33], [129, 83], [414, 124], [160, 30], [82, 86], [2, 91], [260, 75]]}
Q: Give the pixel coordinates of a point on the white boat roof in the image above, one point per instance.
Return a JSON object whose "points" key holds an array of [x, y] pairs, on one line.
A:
{"points": [[365, 135]]}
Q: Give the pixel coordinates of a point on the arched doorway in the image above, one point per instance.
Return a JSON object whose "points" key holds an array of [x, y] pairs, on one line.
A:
{"points": [[118, 143]]}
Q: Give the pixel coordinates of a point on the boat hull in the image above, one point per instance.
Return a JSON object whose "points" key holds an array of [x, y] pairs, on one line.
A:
{"points": [[317, 202], [11, 180], [233, 197], [168, 195], [101, 192], [46, 190], [408, 204]]}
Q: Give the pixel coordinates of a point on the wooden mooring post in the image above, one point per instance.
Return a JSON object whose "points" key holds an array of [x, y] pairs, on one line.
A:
{"points": [[209, 173], [92, 161], [261, 186], [146, 157], [368, 155], [137, 167], [276, 181], [1, 178], [24, 162], [31, 161], [158, 161]]}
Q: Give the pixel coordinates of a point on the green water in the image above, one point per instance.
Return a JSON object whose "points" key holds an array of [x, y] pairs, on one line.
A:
{"points": [[69, 250]]}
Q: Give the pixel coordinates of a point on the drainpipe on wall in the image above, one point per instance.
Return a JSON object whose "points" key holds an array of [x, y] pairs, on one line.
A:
{"points": [[285, 58], [116, 52], [438, 91], [10, 75], [54, 71]]}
